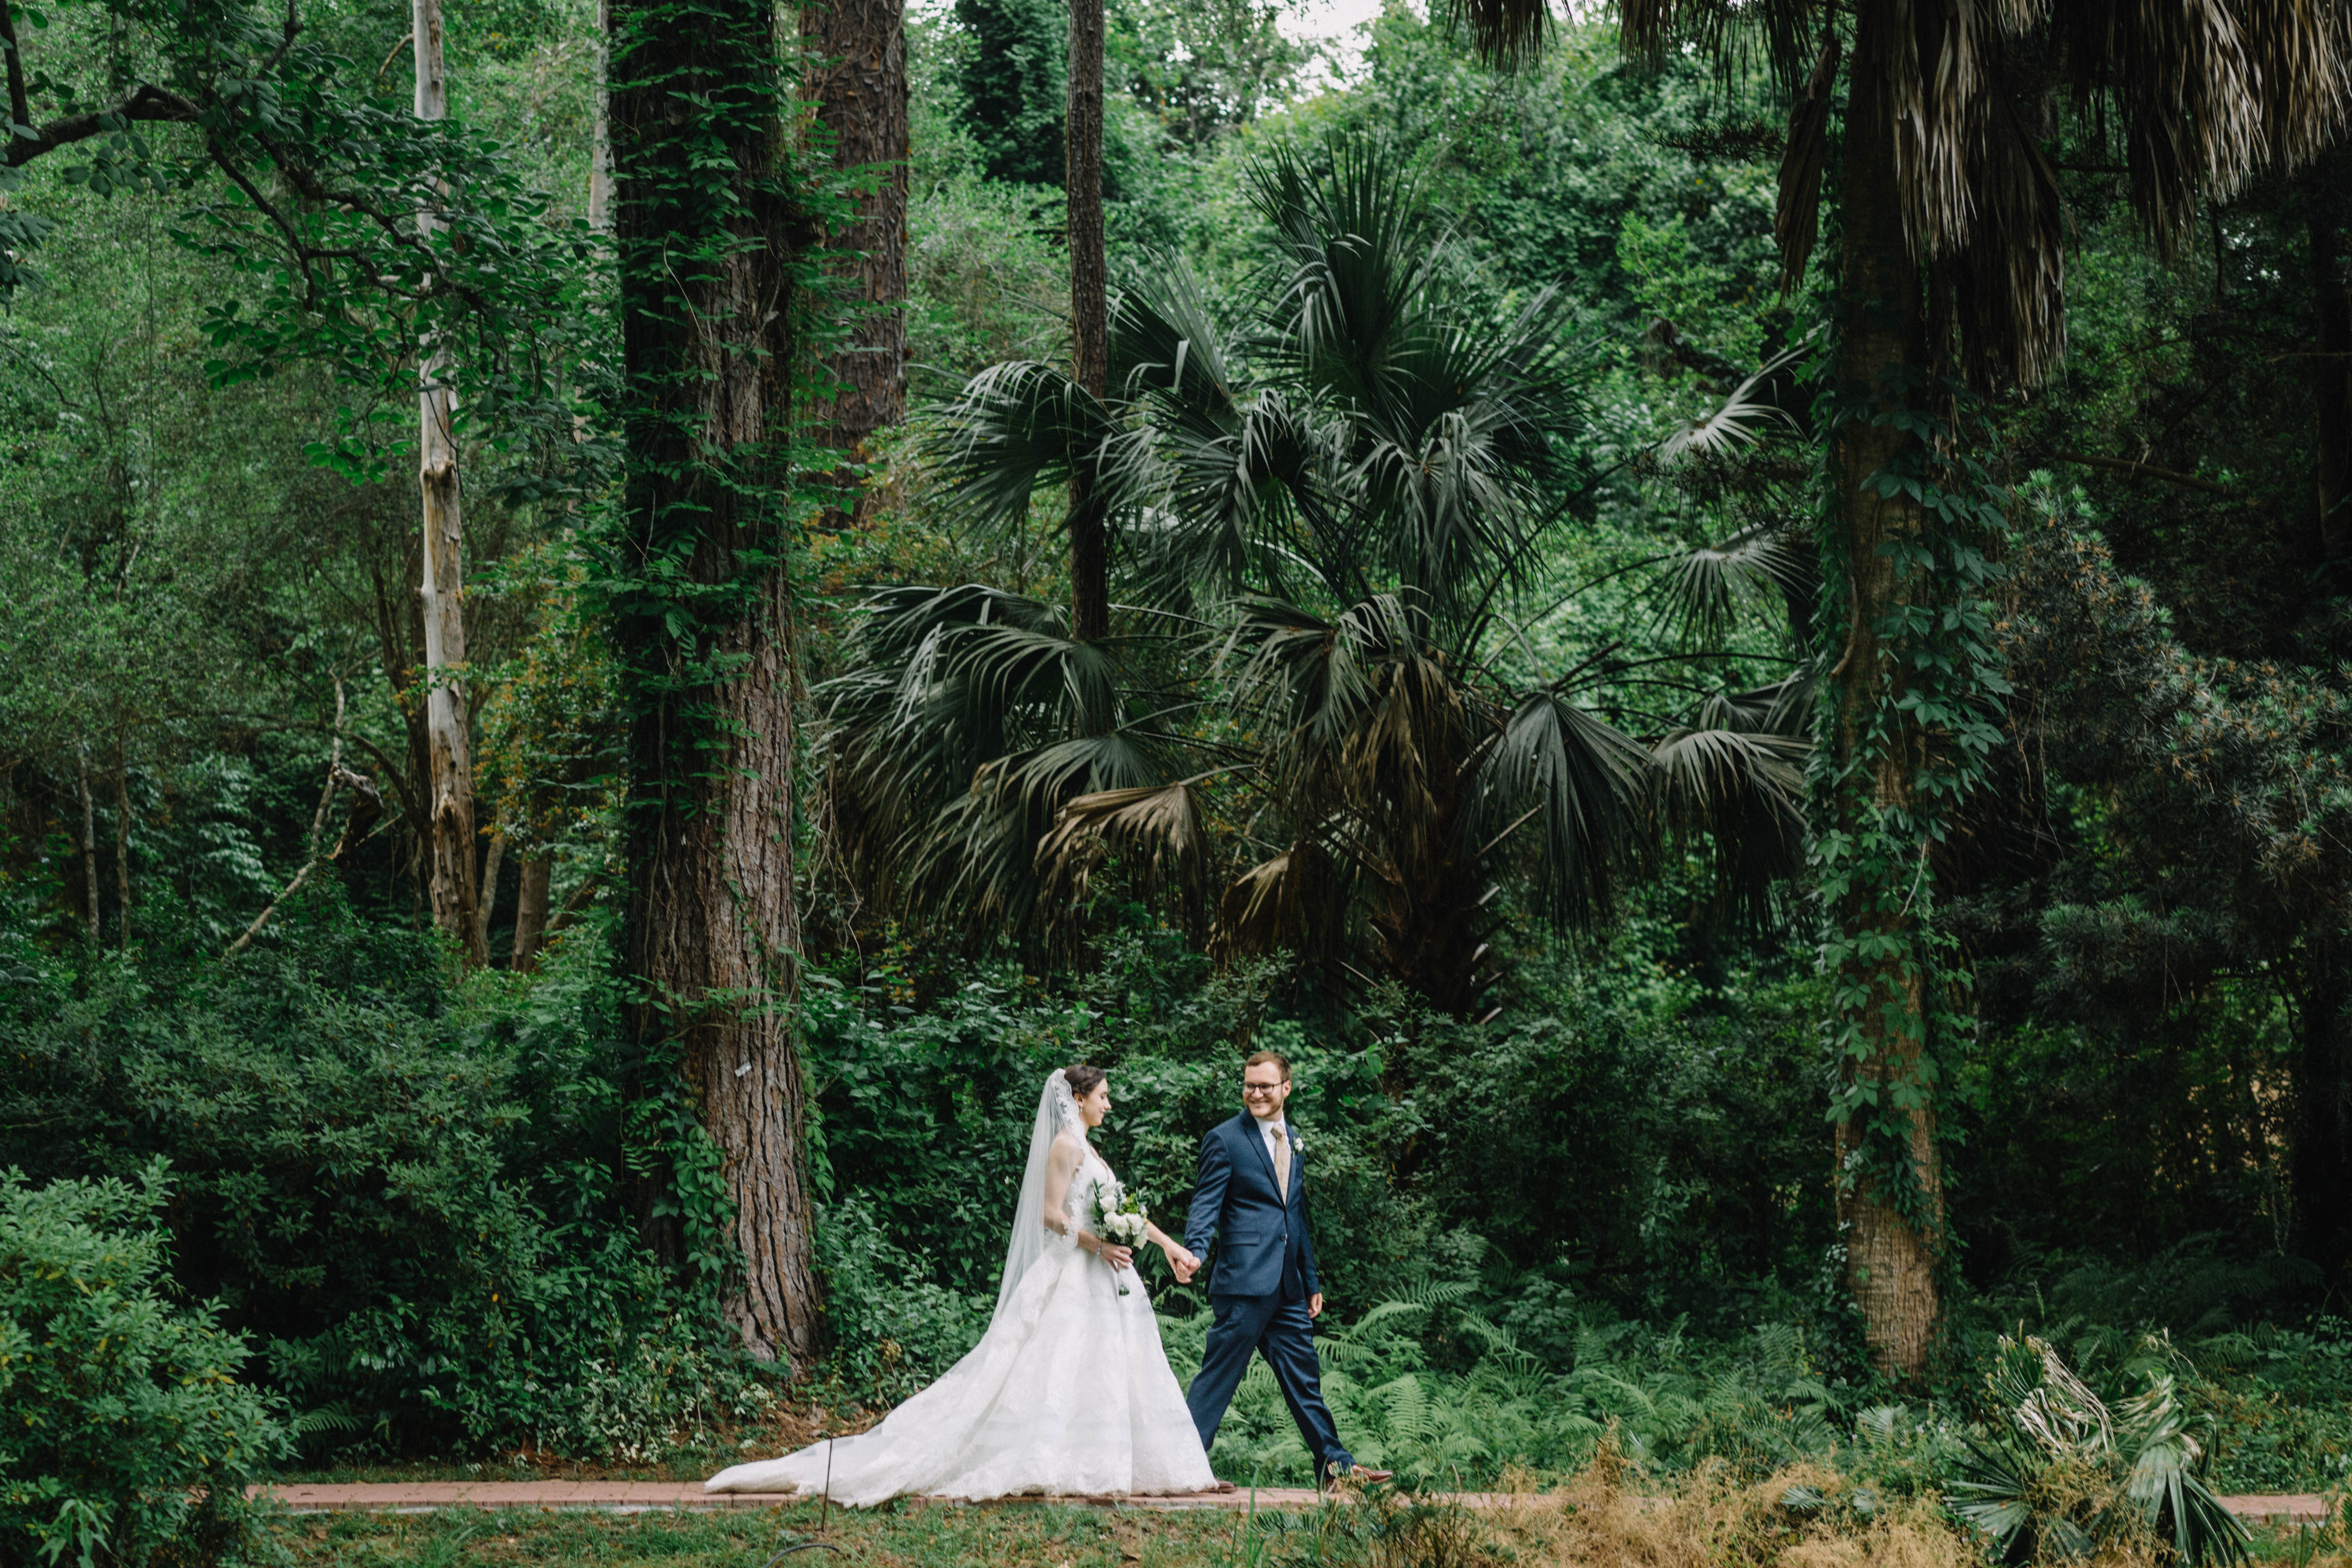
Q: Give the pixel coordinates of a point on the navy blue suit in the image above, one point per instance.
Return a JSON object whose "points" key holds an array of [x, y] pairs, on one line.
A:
{"points": [[1264, 1273]]}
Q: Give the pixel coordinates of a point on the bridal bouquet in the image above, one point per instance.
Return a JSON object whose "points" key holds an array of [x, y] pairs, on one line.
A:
{"points": [[1120, 1219]]}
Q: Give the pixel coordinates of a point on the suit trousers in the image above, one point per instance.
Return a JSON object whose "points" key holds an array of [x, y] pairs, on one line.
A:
{"points": [[1283, 1332]]}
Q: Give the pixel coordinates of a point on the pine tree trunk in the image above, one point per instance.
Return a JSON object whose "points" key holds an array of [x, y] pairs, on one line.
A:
{"points": [[1891, 1261], [448, 763], [712, 932], [1089, 309], [858, 79], [531, 912]]}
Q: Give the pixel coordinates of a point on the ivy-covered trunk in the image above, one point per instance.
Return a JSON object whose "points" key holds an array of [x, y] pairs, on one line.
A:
{"points": [[1090, 309], [858, 79], [709, 235], [1872, 863]]}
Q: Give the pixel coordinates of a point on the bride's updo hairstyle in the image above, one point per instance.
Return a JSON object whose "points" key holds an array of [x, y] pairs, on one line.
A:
{"points": [[1082, 1078]]}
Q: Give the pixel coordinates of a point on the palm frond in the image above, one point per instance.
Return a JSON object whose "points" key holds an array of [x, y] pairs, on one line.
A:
{"points": [[974, 868], [1014, 428], [1742, 793], [1742, 418], [1579, 783], [1157, 829], [1296, 900], [1797, 215], [1701, 591]]}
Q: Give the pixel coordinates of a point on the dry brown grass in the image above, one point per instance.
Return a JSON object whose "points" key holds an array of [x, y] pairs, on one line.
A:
{"points": [[1710, 1519]]}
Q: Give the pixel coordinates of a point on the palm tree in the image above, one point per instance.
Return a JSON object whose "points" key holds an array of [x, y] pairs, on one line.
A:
{"points": [[1951, 257], [1332, 522]]}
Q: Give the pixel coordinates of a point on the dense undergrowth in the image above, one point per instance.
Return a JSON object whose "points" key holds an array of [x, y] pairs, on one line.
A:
{"points": [[408, 1192]]}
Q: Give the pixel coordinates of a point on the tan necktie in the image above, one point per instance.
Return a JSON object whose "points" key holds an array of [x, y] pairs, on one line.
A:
{"points": [[1282, 1161]]}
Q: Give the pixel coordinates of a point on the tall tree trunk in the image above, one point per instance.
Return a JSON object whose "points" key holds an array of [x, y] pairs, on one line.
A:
{"points": [[531, 912], [600, 148], [492, 858], [1089, 309], [2321, 1172], [1891, 1259], [2331, 366], [858, 79], [707, 234], [121, 847], [88, 845], [448, 763]]}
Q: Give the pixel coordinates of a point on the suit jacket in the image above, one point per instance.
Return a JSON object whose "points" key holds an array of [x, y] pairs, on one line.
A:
{"points": [[1264, 1245]]}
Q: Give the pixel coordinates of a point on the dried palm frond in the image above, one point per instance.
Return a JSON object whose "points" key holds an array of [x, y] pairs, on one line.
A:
{"points": [[1797, 217], [1296, 900], [2066, 1476], [1156, 827]]}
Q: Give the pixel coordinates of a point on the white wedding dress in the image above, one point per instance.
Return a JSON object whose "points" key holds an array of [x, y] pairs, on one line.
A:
{"points": [[1068, 1392]]}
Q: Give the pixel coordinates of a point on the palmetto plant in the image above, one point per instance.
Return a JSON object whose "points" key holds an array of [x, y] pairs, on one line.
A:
{"points": [[1321, 715], [2066, 1474], [1949, 124]]}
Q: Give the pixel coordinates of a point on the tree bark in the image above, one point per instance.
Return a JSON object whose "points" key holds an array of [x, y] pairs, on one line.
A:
{"points": [[707, 234], [88, 845], [2321, 1172], [531, 912], [1090, 309], [2331, 371], [448, 760], [492, 858], [857, 80], [1891, 1263], [122, 848], [600, 148]]}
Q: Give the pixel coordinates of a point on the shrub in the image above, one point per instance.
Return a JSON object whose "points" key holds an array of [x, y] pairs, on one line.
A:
{"points": [[893, 1328], [405, 1187], [128, 1438]]}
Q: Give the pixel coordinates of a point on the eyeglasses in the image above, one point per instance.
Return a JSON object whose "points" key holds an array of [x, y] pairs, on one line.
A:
{"points": [[1248, 1087]]}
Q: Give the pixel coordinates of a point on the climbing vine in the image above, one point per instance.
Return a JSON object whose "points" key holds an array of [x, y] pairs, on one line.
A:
{"points": [[720, 200], [1890, 777]]}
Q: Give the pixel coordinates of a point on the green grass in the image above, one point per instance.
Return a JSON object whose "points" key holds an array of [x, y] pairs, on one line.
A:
{"points": [[889, 1537]]}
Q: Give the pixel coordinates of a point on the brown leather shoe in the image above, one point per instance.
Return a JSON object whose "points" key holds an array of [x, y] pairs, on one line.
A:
{"points": [[1357, 1476]]}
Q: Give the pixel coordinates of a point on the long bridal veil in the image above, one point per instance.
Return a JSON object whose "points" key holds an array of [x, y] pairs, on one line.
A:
{"points": [[1068, 1393], [1057, 1110]]}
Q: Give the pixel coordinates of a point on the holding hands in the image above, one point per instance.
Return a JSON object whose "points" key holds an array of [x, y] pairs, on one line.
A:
{"points": [[1180, 1260]]}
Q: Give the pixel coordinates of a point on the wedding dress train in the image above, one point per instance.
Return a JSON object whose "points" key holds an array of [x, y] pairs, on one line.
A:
{"points": [[1068, 1392]]}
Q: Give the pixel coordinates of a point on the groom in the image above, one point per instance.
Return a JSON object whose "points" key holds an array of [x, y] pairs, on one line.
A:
{"points": [[1252, 1195]]}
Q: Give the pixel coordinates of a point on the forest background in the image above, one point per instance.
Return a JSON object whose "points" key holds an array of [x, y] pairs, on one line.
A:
{"points": [[1579, 1175]]}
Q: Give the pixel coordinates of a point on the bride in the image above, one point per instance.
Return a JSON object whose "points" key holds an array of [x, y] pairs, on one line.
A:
{"points": [[1068, 1392]]}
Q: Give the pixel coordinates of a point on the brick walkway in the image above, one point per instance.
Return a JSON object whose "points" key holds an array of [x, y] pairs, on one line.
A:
{"points": [[632, 1497]]}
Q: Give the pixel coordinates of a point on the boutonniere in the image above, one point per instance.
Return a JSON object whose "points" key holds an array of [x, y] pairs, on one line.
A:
{"points": [[1297, 1145]]}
